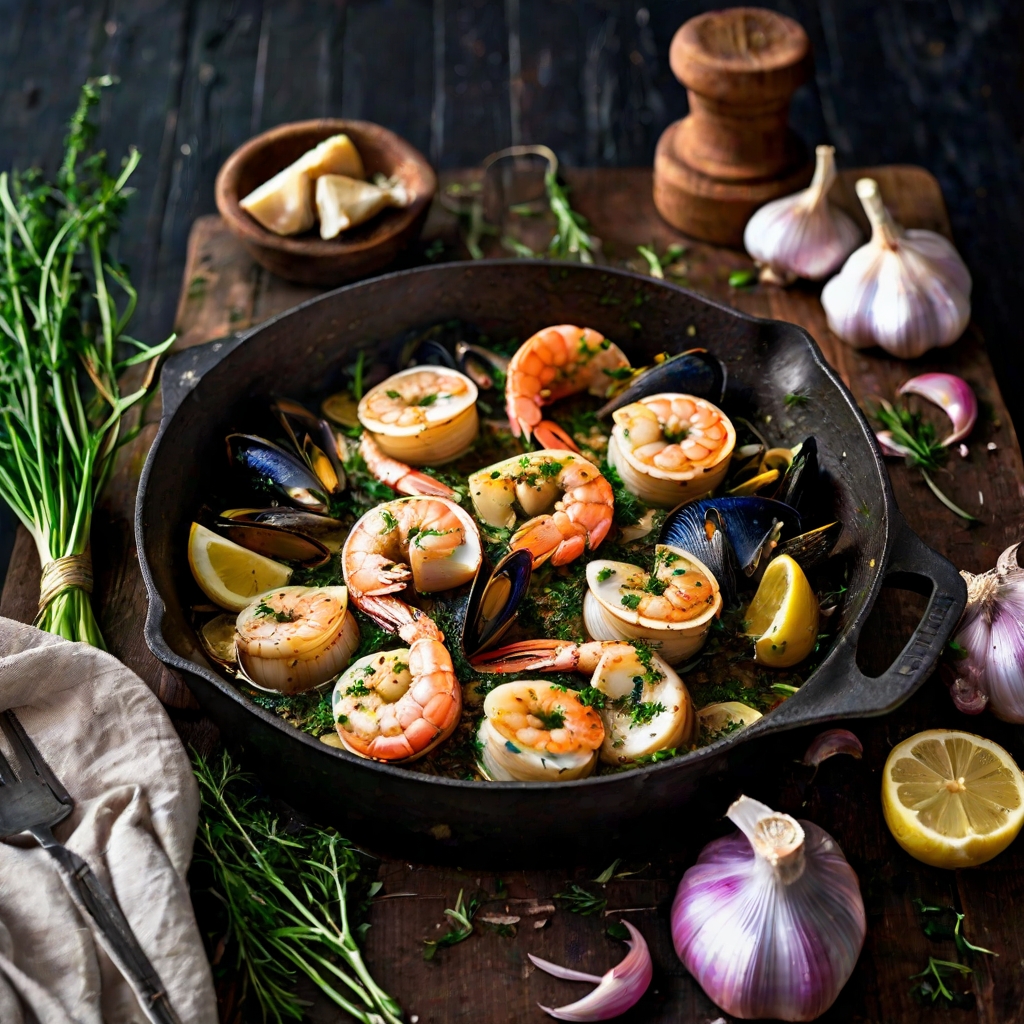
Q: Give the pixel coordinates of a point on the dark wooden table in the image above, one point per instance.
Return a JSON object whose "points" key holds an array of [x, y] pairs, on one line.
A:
{"points": [[489, 977], [927, 83]]}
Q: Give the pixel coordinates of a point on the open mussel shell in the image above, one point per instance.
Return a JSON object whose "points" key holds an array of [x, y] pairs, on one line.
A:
{"points": [[331, 533], [494, 599], [272, 541], [429, 352], [313, 439], [271, 467], [730, 532], [485, 368], [813, 547], [801, 478], [696, 372], [217, 635]]}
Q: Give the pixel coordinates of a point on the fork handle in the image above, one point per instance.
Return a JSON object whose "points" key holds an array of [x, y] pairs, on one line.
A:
{"points": [[116, 933]]}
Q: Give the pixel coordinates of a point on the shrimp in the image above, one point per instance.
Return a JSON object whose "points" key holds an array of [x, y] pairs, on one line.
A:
{"points": [[675, 433], [434, 544], [645, 705], [295, 638], [570, 503], [554, 363], [398, 705], [397, 475], [429, 541], [534, 730]]}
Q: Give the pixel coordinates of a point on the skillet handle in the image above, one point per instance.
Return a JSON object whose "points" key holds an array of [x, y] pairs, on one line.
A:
{"points": [[183, 370], [852, 694]]}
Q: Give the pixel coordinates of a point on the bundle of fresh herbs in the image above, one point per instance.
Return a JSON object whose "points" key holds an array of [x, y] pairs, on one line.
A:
{"points": [[281, 901], [64, 308]]}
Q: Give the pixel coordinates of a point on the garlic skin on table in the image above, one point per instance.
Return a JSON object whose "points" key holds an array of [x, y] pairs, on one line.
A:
{"points": [[992, 634], [344, 203], [906, 291], [802, 235], [770, 920]]}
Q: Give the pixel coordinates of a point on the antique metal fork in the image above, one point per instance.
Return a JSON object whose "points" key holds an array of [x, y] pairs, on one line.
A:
{"points": [[33, 800]]}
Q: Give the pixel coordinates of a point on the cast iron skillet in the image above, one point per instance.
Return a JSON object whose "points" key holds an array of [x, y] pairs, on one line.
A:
{"points": [[210, 390]]}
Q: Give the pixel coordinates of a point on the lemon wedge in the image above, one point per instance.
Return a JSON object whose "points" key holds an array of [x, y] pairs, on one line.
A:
{"points": [[783, 615], [229, 574], [952, 799]]}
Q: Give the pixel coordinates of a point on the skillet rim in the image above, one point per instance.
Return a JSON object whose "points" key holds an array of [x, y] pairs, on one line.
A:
{"points": [[157, 608]]}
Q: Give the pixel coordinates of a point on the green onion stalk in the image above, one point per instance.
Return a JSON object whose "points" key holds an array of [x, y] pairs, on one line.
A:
{"points": [[65, 304]]}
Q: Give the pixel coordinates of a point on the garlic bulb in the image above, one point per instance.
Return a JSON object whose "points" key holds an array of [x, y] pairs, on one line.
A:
{"points": [[907, 291], [770, 921], [991, 633], [802, 235]]}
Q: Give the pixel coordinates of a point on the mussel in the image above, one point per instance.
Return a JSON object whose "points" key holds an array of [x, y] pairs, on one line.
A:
{"points": [[217, 636], [494, 600], [485, 368], [694, 372], [801, 478], [430, 352], [313, 440], [730, 531], [272, 541], [331, 533], [272, 468], [813, 547]]}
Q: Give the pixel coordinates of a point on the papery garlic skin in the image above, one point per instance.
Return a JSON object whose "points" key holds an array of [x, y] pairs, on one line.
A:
{"points": [[802, 235], [770, 920], [992, 633], [905, 291], [953, 395]]}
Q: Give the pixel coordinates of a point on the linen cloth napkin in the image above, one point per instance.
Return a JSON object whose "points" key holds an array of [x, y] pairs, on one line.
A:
{"points": [[110, 742]]}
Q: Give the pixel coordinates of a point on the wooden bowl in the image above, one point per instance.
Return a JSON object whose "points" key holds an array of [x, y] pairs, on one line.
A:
{"points": [[307, 258]]}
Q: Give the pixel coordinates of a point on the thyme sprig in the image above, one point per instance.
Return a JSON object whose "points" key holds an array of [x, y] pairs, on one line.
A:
{"points": [[285, 897], [65, 305], [917, 439], [461, 917]]}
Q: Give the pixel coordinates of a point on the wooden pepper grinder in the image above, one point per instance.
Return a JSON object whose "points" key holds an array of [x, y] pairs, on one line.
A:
{"points": [[735, 150]]}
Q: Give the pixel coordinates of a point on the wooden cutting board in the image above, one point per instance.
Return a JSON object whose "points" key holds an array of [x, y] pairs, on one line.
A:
{"points": [[488, 977]]}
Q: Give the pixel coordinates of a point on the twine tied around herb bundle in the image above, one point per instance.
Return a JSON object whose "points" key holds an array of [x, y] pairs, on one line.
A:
{"points": [[63, 574]]}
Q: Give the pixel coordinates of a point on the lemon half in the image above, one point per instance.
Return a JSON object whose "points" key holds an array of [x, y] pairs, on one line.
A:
{"points": [[783, 614], [952, 799], [229, 574]]}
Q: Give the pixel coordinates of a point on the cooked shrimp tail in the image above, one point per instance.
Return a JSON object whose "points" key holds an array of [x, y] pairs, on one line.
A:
{"points": [[394, 615], [547, 656], [550, 435], [397, 475]]}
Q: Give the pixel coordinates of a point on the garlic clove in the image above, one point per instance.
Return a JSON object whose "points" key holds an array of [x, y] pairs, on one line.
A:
{"points": [[831, 742], [344, 202], [802, 235], [953, 395], [617, 991], [906, 291]]}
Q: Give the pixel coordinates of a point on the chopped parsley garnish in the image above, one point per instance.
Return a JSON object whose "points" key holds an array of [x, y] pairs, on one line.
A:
{"points": [[357, 690], [553, 719], [265, 611], [795, 398], [631, 601], [656, 586], [391, 393], [605, 574], [591, 697], [398, 667], [644, 712], [390, 522], [427, 399]]}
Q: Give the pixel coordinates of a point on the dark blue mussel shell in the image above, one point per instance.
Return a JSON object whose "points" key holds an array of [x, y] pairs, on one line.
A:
{"points": [[313, 439], [272, 468], [494, 599], [729, 532], [696, 372]]}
